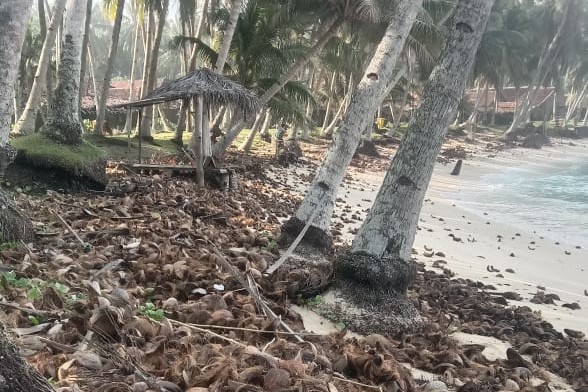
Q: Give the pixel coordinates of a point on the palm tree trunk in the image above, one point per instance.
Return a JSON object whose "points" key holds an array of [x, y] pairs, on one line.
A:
{"points": [[14, 225], [266, 124], [223, 52], [246, 145], [152, 74], [390, 226], [63, 122], [147, 50], [545, 61], [181, 125], [574, 106], [196, 141], [373, 277], [26, 123], [101, 115], [330, 29], [368, 95], [85, 43], [329, 102], [134, 61]]}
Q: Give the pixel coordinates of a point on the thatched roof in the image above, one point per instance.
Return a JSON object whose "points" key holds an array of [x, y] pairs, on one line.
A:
{"points": [[215, 89]]}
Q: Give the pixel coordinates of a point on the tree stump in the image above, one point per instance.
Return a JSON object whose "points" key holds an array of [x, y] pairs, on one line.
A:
{"points": [[457, 168]]}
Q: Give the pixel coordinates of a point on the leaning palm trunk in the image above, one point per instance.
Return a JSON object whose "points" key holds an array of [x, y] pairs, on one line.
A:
{"points": [[576, 104], [101, 115], [63, 122], [14, 225], [26, 123], [246, 145], [220, 147], [547, 58], [369, 295], [368, 96], [223, 53]]}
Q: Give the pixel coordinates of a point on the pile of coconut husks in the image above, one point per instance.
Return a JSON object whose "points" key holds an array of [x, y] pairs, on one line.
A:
{"points": [[160, 287]]}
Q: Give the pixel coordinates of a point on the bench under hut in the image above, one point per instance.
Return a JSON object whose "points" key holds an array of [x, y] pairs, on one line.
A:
{"points": [[202, 91]]}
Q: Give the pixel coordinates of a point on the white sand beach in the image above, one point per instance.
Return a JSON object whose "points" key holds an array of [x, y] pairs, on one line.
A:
{"points": [[536, 260]]}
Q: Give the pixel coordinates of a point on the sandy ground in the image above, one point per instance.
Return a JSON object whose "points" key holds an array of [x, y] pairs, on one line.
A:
{"points": [[442, 220], [535, 260]]}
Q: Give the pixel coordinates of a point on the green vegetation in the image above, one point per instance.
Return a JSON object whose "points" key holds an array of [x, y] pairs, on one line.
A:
{"points": [[151, 311], [43, 152]]}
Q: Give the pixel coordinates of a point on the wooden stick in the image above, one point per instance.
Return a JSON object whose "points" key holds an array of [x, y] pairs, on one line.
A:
{"points": [[69, 228], [216, 335], [294, 244], [252, 289], [260, 331], [357, 383]]}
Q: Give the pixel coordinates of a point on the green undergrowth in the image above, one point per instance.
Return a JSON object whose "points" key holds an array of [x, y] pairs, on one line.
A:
{"points": [[41, 151]]}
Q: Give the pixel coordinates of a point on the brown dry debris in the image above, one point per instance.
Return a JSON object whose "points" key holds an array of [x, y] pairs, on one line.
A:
{"points": [[147, 304]]}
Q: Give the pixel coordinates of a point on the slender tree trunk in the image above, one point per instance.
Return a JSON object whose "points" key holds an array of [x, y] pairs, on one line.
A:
{"points": [[329, 101], [63, 122], [206, 140], [546, 60], [390, 226], [373, 277], [368, 95], [246, 145], [85, 44], [266, 124], [196, 141], [152, 75], [330, 29], [129, 120], [26, 123], [181, 125], [93, 75], [220, 147], [223, 52], [14, 225], [101, 115], [575, 104], [147, 50]]}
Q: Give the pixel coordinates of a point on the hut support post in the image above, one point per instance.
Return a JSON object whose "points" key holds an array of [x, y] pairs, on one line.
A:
{"points": [[196, 144], [139, 120], [206, 140]]}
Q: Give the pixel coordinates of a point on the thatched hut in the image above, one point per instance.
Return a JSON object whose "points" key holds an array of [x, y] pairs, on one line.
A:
{"points": [[206, 90]]}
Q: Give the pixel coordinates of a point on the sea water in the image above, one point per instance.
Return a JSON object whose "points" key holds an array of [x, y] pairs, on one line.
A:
{"points": [[551, 200]]}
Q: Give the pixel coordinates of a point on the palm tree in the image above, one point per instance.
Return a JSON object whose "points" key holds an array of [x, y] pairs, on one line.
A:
{"points": [[369, 295], [100, 115], [261, 49], [150, 76], [369, 95], [63, 117], [549, 55], [26, 123], [14, 15]]}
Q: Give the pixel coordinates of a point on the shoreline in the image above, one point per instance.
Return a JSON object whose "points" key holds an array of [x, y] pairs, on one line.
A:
{"points": [[443, 221]]}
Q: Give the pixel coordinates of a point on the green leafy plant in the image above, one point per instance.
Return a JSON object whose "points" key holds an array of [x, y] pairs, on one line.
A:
{"points": [[314, 302], [272, 244], [8, 246], [151, 311]]}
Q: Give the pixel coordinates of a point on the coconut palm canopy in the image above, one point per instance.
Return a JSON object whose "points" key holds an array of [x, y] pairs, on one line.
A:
{"points": [[215, 89]]}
